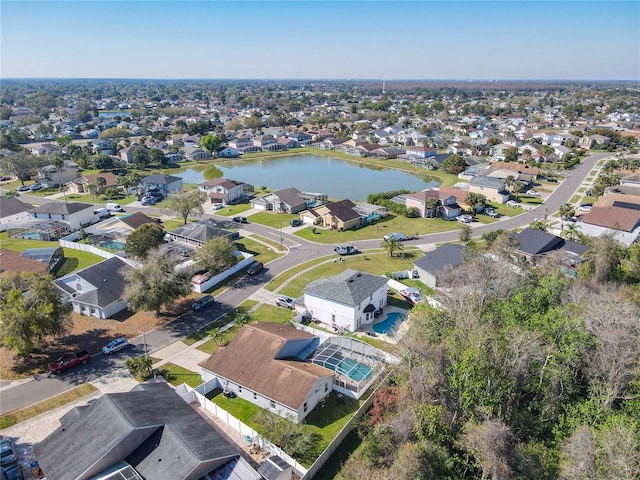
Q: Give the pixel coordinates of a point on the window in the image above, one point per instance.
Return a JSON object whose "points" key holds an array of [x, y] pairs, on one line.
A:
{"points": [[333, 317], [326, 387], [255, 396], [272, 404], [239, 388], [305, 406]]}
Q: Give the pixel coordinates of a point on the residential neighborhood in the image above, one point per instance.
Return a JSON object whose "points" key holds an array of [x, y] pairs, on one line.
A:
{"points": [[122, 209]]}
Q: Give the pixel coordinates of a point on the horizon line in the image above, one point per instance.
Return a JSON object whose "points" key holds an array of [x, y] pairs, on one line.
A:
{"points": [[367, 79]]}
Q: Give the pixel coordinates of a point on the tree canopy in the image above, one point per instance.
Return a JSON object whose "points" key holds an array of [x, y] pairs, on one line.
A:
{"points": [[186, 203], [143, 239], [31, 311], [156, 284], [215, 256], [454, 164]]}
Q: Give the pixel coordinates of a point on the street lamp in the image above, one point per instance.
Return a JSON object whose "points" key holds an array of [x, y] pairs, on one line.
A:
{"points": [[144, 340], [281, 235]]}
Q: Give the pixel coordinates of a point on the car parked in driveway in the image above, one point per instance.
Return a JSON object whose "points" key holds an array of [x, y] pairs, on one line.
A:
{"points": [[115, 345], [533, 193], [8, 453], [284, 301], [14, 472], [513, 203], [492, 213], [585, 207], [35, 187], [203, 302], [254, 268], [464, 218], [240, 220], [22, 188], [295, 223]]}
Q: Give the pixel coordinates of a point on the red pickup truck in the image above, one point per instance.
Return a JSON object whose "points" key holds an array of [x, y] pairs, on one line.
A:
{"points": [[69, 360]]}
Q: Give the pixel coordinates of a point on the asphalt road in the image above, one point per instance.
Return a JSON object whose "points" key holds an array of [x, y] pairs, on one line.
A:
{"points": [[299, 251]]}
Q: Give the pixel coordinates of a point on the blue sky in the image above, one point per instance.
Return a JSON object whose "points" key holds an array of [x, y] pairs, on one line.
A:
{"points": [[598, 40]]}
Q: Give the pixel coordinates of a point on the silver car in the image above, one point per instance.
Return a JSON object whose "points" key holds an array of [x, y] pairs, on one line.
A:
{"points": [[284, 301], [115, 345]]}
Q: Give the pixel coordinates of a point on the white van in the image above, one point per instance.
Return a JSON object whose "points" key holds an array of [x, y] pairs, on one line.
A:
{"points": [[114, 207], [102, 213]]}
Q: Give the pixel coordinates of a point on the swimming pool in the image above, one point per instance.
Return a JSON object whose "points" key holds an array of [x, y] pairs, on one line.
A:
{"points": [[353, 369], [393, 320]]}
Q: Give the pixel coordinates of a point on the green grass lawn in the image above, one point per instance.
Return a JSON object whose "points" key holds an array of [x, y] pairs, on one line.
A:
{"points": [[574, 199], [392, 223], [272, 313], [233, 210], [274, 220], [284, 276], [325, 422], [176, 375], [75, 259], [377, 264], [261, 251]]}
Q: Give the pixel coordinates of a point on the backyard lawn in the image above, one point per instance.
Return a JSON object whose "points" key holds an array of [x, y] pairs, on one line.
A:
{"points": [[324, 421], [377, 264], [176, 375]]}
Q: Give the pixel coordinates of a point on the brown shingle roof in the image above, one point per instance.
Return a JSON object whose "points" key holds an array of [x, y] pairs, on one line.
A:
{"points": [[11, 261], [618, 218], [137, 219], [250, 360]]}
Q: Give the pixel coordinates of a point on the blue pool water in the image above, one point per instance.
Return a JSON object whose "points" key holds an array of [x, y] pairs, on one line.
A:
{"points": [[393, 319], [354, 370]]}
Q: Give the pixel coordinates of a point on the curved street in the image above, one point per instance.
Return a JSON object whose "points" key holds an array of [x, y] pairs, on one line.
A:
{"points": [[21, 394]]}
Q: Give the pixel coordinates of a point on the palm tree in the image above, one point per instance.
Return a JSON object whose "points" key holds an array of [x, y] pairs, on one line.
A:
{"points": [[508, 183], [565, 211], [539, 225], [517, 187], [242, 318], [101, 181], [572, 232], [475, 200], [391, 244], [91, 188], [432, 205], [58, 162]]}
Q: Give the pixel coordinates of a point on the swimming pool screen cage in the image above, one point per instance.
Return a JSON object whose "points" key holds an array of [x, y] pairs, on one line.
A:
{"points": [[366, 209], [356, 364], [45, 230]]}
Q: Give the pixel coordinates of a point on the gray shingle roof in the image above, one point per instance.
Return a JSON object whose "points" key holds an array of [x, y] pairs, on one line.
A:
{"points": [[535, 242], [159, 179], [489, 182], [11, 206], [436, 260], [290, 196], [61, 208], [349, 287], [107, 277], [150, 427], [201, 232]]}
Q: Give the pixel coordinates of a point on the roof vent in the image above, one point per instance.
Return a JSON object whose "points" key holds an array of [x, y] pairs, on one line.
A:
{"points": [[288, 370], [251, 329], [359, 275]]}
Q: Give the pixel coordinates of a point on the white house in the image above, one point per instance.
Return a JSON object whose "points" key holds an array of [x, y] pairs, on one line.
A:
{"points": [[266, 365], [96, 291], [347, 300], [13, 212], [76, 215], [222, 190]]}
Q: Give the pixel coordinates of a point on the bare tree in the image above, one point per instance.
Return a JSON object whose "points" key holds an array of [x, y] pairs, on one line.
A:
{"points": [[577, 461], [492, 446]]}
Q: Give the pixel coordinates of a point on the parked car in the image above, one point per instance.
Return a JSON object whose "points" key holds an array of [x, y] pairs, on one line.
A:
{"points": [[588, 193], [14, 472], [492, 213], [585, 207], [5, 179], [115, 345], [533, 193], [203, 302], [465, 218], [68, 360], [35, 186], [114, 207], [254, 268], [513, 203], [22, 188], [295, 222], [240, 220], [218, 206], [284, 301], [8, 453], [346, 250]]}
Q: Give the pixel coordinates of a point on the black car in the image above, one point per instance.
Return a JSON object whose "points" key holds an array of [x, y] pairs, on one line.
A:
{"points": [[295, 223], [240, 220], [254, 268], [203, 302]]}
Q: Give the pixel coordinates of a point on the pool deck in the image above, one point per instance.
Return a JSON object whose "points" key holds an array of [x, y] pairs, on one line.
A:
{"points": [[365, 330]]}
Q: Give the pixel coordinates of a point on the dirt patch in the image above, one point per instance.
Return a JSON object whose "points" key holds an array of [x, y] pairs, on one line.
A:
{"points": [[87, 333]]}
